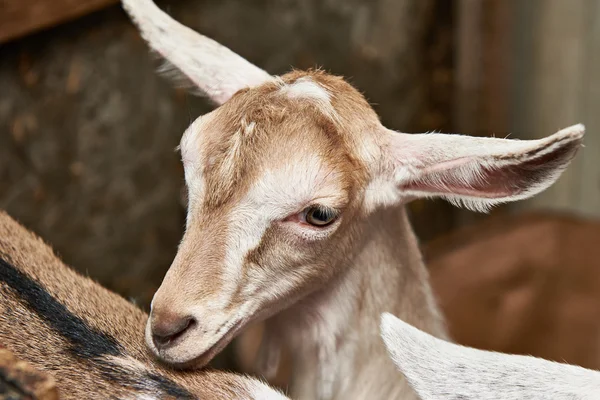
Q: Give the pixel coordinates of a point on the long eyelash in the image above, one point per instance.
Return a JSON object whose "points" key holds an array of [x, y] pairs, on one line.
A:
{"points": [[330, 212]]}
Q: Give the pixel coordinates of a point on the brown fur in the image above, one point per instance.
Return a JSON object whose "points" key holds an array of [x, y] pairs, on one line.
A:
{"points": [[32, 339]]}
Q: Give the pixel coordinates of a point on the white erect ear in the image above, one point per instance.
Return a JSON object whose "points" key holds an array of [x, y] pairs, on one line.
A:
{"points": [[212, 68], [438, 370], [470, 171]]}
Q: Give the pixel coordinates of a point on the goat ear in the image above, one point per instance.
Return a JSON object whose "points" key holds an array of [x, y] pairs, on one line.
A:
{"points": [[477, 173], [209, 67], [437, 369]]}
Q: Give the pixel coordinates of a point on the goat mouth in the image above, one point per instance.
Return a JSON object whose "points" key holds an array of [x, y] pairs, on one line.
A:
{"points": [[201, 360]]}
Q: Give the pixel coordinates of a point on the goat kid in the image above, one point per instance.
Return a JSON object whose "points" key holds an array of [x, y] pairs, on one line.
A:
{"points": [[296, 212], [439, 370], [89, 339]]}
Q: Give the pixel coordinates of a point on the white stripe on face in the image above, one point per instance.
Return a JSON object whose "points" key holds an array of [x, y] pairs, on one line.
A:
{"points": [[277, 194], [193, 158]]}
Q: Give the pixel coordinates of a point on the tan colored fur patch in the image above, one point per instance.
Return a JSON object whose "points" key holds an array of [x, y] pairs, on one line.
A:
{"points": [[233, 157]]}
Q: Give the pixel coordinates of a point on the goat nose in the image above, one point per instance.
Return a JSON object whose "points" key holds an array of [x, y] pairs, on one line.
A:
{"points": [[167, 327]]}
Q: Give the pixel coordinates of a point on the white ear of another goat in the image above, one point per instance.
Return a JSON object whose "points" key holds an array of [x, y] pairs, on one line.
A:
{"points": [[437, 369]]}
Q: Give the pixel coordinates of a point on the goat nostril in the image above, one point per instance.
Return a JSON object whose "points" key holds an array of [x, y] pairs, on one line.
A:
{"points": [[166, 331]]}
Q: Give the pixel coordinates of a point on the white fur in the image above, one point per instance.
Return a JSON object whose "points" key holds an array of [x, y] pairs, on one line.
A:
{"points": [[307, 89], [212, 68], [381, 192], [333, 314], [259, 390], [283, 189], [438, 370], [191, 156], [334, 334], [249, 127]]}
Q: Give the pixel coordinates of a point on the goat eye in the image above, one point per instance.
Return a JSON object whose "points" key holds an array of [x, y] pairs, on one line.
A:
{"points": [[320, 216]]}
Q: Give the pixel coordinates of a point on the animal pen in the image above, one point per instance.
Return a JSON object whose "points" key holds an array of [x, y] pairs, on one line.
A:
{"points": [[88, 132]]}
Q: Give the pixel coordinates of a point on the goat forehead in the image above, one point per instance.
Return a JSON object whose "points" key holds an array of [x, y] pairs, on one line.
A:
{"points": [[233, 165], [292, 99], [285, 188], [230, 147], [280, 190]]}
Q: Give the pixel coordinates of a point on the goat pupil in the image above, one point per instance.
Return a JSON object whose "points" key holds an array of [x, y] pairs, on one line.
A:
{"points": [[320, 215]]}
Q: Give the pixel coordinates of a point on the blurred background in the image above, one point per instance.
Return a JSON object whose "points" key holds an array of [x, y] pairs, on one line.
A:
{"points": [[88, 132]]}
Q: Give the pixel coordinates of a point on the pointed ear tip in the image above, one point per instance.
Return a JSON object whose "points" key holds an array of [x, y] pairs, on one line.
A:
{"points": [[126, 3], [386, 318], [390, 324], [386, 321], [573, 132]]}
